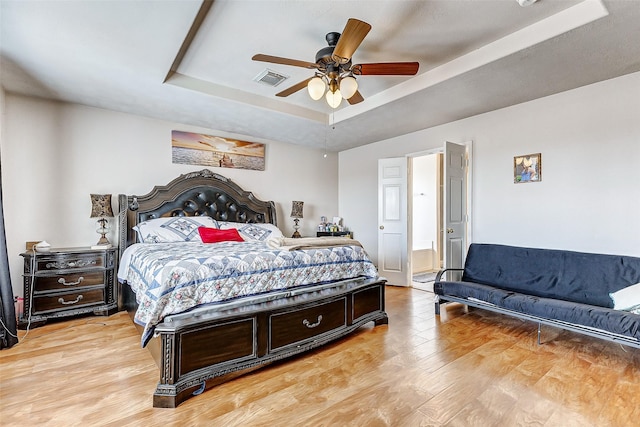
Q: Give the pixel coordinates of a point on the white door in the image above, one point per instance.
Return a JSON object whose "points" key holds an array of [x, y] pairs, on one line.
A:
{"points": [[455, 206], [393, 262]]}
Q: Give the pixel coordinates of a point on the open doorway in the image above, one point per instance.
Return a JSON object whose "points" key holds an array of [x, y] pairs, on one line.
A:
{"points": [[427, 218], [396, 213]]}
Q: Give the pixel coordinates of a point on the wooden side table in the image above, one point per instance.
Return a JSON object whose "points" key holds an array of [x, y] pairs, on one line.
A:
{"points": [[68, 282]]}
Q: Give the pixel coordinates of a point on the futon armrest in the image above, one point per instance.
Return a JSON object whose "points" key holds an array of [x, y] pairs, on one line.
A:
{"points": [[441, 272]]}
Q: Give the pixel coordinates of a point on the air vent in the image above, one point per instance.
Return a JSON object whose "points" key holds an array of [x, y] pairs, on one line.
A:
{"points": [[270, 77]]}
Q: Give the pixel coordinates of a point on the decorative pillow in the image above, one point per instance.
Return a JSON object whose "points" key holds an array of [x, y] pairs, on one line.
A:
{"points": [[253, 231], [627, 298], [172, 229], [213, 235]]}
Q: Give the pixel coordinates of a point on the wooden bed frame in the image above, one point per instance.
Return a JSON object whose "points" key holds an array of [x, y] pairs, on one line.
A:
{"points": [[220, 344]]}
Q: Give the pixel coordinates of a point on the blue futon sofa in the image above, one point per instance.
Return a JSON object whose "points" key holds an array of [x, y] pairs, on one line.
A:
{"points": [[594, 294]]}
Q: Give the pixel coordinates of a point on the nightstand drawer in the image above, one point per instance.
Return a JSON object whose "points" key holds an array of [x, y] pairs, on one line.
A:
{"points": [[69, 300], [348, 234], [69, 281], [295, 327], [69, 262]]}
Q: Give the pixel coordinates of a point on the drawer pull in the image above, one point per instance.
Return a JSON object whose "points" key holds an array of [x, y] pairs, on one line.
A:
{"points": [[64, 282], [310, 325], [62, 301]]}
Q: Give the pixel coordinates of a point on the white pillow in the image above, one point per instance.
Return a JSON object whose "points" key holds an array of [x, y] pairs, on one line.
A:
{"points": [[173, 229], [252, 231], [626, 298]]}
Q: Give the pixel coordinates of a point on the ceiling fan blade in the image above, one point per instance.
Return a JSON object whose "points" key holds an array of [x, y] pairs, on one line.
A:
{"points": [[294, 88], [356, 98], [386, 69], [354, 32], [284, 61]]}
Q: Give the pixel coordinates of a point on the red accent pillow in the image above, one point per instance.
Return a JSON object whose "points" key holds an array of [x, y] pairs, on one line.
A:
{"points": [[213, 235]]}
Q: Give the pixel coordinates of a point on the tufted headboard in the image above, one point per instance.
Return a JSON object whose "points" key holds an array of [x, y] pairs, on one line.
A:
{"points": [[202, 193]]}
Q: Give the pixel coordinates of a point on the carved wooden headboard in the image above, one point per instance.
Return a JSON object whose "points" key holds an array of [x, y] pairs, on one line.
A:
{"points": [[203, 193]]}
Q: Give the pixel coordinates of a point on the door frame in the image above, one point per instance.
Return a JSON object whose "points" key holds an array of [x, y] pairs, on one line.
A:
{"points": [[468, 231]]}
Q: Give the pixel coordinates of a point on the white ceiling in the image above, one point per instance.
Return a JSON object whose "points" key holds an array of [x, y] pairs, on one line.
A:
{"points": [[475, 56]]}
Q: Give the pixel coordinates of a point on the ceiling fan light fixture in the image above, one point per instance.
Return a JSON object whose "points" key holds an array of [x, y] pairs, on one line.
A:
{"points": [[316, 88], [334, 98], [334, 76], [348, 87]]}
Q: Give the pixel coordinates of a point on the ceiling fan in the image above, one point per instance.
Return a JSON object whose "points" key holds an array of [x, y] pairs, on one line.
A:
{"points": [[335, 69]]}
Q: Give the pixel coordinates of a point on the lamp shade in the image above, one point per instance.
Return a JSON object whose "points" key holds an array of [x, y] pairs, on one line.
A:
{"points": [[296, 209], [334, 98], [101, 206], [316, 88], [348, 87]]}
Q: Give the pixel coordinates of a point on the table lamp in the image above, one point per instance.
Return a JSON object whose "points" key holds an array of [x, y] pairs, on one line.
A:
{"points": [[296, 214], [101, 209]]}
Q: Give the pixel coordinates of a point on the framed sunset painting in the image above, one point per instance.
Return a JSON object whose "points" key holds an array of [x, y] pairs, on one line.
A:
{"points": [[206, 150]]}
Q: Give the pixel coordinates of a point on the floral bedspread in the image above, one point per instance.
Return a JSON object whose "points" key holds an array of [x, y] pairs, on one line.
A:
{"points": [[171, 278]]}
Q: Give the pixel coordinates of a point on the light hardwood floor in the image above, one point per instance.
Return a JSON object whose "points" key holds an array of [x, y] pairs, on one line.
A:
{"points": [[465, 369]]}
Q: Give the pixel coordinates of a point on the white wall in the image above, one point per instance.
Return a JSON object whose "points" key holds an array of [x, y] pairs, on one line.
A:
{"points": [[589, 197], [424, 208], [425, 198], [54, 155]]}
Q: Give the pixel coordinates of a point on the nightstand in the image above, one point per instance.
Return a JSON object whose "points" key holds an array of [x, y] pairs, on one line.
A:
{"points": [[348, 234], [68, 282]]}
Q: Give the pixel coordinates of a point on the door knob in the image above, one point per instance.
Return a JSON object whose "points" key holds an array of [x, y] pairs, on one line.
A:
{"points": [[382, 227], [449, 230]]}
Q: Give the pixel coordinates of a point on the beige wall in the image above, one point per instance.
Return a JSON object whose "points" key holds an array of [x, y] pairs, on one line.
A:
{"points": [[588, 200], [54, 155]]}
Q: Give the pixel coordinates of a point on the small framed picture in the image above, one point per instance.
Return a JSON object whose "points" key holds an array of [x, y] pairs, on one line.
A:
{"points": [[527, 168]]}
